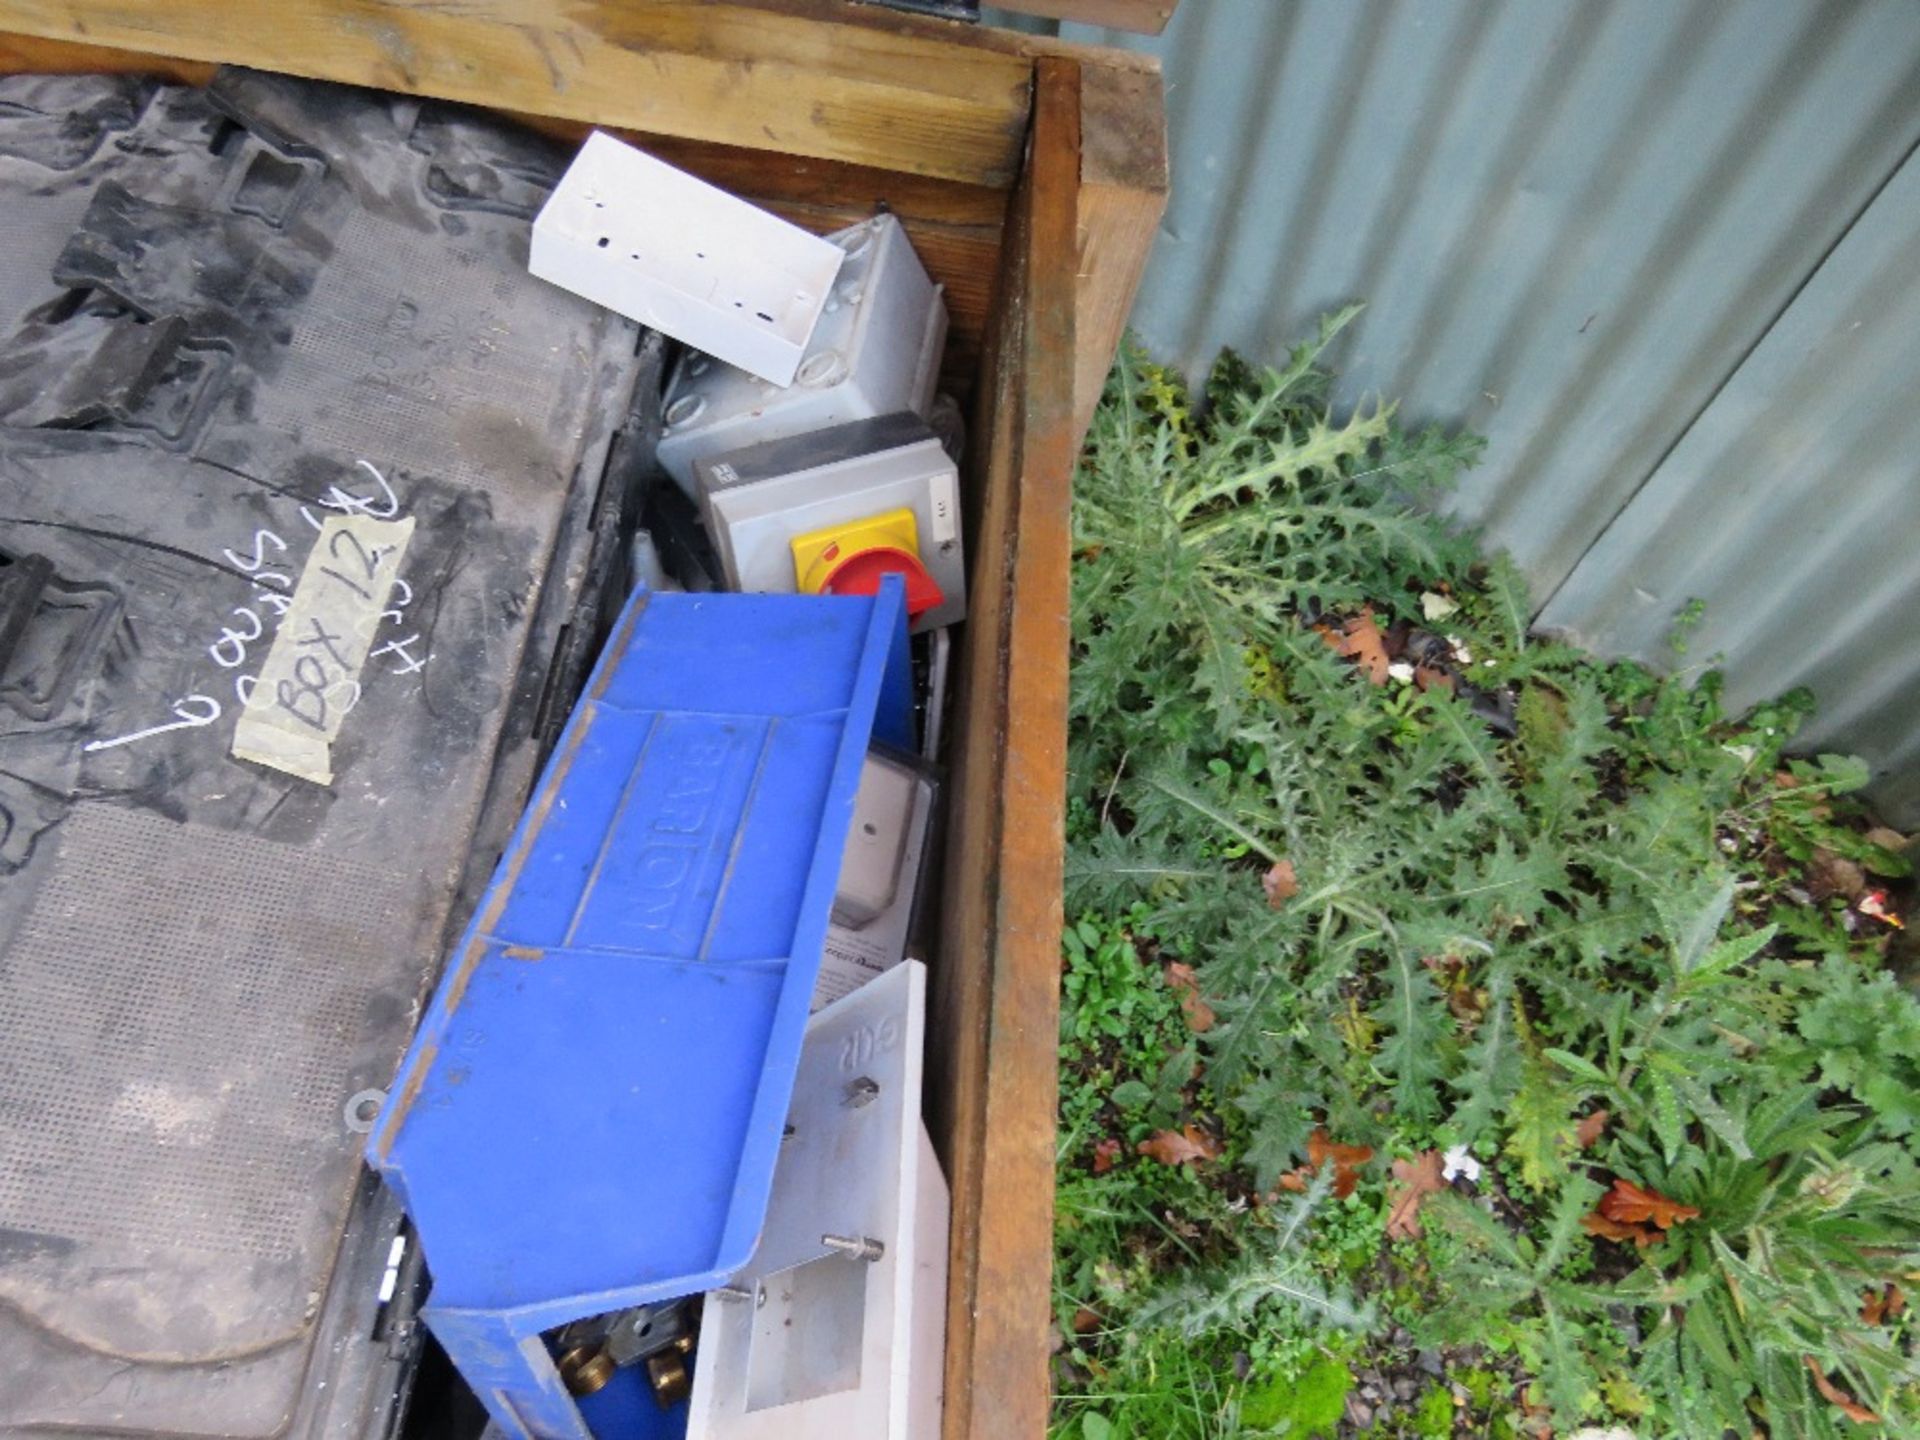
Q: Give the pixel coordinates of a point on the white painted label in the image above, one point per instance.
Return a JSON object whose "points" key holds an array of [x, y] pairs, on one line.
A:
{"points": [[945, 501]]}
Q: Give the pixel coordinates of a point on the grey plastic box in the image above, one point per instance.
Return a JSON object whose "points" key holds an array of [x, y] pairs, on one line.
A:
{"points": [[875, 351], [756, 500]]}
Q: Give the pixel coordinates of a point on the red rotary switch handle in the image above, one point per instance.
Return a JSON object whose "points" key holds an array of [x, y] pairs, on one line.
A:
{"points": [[861, 572]]}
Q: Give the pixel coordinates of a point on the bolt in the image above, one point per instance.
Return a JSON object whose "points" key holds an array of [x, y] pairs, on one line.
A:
{"points": [[733, 1292], [858, 1247]]}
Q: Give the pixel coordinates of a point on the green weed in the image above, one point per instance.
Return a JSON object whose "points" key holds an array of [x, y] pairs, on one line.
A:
{"points": [[1436, 883]]}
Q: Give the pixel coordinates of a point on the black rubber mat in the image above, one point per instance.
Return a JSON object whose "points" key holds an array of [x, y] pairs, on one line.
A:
{"points": [[228, 320]]}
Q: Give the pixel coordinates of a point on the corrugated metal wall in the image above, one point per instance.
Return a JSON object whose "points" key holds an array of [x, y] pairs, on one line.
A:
{"points": [[1662, 253], [1793, 503]]}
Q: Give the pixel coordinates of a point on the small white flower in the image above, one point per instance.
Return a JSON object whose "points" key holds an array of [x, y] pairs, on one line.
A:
{"points": [[1436, 606], [1460, 651], [1401, 671], [1457, 1162], [1487, 663]]}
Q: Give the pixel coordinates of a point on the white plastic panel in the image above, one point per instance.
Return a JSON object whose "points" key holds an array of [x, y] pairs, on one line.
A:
{"points": [[876, 351], [876, 842], [636, 235], [754, 504], [856, 954], [824, 1345]]}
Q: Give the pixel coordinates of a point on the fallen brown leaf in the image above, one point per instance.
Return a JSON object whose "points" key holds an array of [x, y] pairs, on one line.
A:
{"points": [[1838, 1398], [1536, 1417], [1887, 838], [1469, 1004], [1280, 883], [1105, 1154], [1199, 1014], [1591, 1128], [1598, 1224], [1361, 641], [1831, 874], [1414, 1180], [1425, 677], [1629, 1204], [1346, 1160], [1085, 1321], [1180, 1147], [1882, 1303]]}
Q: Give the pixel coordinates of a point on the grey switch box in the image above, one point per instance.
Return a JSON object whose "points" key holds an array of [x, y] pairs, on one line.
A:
{"points": [[757, 500], [876, 350]]}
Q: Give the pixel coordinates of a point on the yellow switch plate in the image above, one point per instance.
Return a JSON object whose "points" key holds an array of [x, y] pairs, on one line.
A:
{"points": [[889, 530]]}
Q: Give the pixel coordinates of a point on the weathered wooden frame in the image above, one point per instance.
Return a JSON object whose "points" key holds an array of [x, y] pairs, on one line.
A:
{"points": [[1149, 17], [1031, 176]]}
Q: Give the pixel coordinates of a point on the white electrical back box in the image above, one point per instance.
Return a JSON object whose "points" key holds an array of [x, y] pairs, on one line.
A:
{"points": [[757, 501], [876, 847], [876, 906], [836, 1328], [876, 351], [634, 234]]}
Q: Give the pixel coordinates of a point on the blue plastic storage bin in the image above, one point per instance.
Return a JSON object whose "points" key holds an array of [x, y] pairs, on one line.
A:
{"points": [[589, 1115]]}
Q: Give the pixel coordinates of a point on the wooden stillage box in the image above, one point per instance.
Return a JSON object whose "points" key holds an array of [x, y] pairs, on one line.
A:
{"points": [[1031, 176]]}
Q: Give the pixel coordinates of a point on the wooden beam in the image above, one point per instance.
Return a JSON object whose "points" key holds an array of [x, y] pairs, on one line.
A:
{"points": [[1123, 194], [34, 55], [1148, 17], [815, 79], [993, 1051]]}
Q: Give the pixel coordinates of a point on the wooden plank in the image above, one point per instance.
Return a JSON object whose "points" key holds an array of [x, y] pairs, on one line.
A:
{"points": [[1123, 194], [32, 55], [816, 79], [994, 1050], [1147, 17], [802, 179]]}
